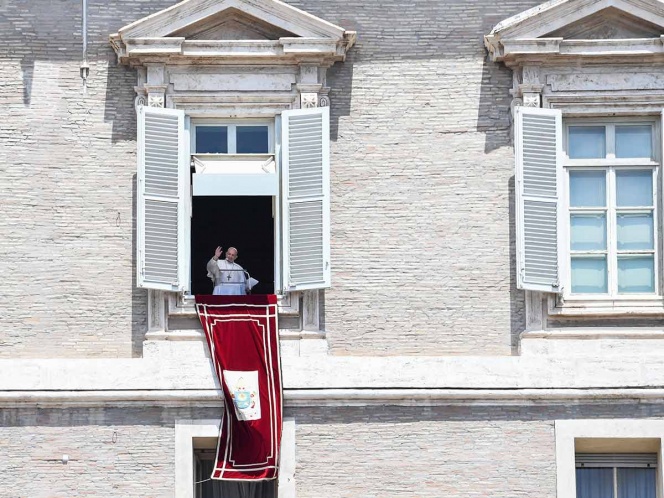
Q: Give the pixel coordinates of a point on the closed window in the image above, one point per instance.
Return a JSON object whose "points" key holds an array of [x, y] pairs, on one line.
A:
{"points": [[611, 184], [631, 475]]}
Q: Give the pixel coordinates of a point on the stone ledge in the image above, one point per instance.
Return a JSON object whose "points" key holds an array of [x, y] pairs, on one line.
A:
{"points": [[332, 397]]}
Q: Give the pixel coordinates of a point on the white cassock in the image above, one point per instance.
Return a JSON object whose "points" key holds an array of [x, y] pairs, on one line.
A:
{"points": [[232, 281]]}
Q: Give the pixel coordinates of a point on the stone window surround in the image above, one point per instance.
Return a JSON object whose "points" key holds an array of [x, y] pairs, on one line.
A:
{"points": [[170, 303], [569, 306], [188, 429], [568, 431], [217, 79], [542, 305]]}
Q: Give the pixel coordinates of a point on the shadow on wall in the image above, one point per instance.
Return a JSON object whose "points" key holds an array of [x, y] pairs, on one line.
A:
{"points": [[494, 120], [517, 297], [49, 33], [340, 81], [139, 297], [119, 101]]}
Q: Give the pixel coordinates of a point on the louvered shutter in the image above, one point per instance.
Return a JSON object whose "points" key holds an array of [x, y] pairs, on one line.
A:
{"points": [[163, 189], [305, 163], [538, 154]]}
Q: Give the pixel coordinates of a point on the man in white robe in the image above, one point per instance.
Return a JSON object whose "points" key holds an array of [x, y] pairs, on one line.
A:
{"points": [[228, 277]]}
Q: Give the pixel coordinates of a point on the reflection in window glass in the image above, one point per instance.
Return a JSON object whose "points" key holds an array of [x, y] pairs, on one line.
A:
{"points": [[211, 140], [587, 142], [635, 231], [634, 188], [587, 188], [252, 140], [634, 141], [636, 274], [589, 275], [588, 232]]}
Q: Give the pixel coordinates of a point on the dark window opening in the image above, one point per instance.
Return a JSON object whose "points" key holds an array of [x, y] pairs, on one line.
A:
{"points": [[245, 223], [226, 489]]}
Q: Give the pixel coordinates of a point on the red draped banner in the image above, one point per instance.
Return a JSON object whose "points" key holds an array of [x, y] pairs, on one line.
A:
{"points": [[242, 334]]}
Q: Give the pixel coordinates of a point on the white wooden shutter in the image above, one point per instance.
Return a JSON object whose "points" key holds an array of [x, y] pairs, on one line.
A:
{"points": [[305, 176], [538, 154], [163, 190]]}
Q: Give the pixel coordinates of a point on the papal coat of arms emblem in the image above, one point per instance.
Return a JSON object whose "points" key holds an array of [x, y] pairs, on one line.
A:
{"points": [[243, 387]]}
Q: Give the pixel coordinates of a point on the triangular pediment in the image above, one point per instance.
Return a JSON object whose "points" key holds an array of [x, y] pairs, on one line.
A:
{"points": [[602, 23], [232, 24], [231, 19], [225, 31], [607, 24], [557, 16]]}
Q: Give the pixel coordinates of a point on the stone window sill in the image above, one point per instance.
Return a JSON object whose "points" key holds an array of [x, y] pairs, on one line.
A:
{"points": [[183, 305], [623, 307]]}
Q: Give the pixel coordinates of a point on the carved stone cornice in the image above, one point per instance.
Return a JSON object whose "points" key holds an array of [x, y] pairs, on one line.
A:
{"points": [[551, 33], [159, 37]]}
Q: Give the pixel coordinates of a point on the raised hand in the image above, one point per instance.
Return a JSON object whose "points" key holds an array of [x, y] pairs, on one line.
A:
{"points": [[217, 252]]}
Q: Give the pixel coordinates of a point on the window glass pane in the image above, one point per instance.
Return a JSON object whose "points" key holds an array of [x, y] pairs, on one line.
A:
{"points": [[252, 140], [637, 483], [635, 231], [211, 140], [588, 232], [589, 275], [634, 188], [634, 141], [587, 142], [636, 274], [594, 483], [587, 188]]}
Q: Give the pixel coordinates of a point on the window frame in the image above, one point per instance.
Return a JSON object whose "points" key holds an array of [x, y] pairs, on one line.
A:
{"points": [[232, 124], [639, 432], [187, 430], [610, 164], [616, 462]]}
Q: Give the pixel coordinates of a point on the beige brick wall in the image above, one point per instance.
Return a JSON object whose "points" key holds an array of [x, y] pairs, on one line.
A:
{"points": [[113, 452], [372, 451], [425, 452], [421, 183]]}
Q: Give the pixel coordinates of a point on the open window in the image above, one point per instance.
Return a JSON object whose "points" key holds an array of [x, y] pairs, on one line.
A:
{"points": [[260, 186]]}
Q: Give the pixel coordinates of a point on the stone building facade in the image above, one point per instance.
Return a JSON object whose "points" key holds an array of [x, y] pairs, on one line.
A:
{"points": [[466, 344]]}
